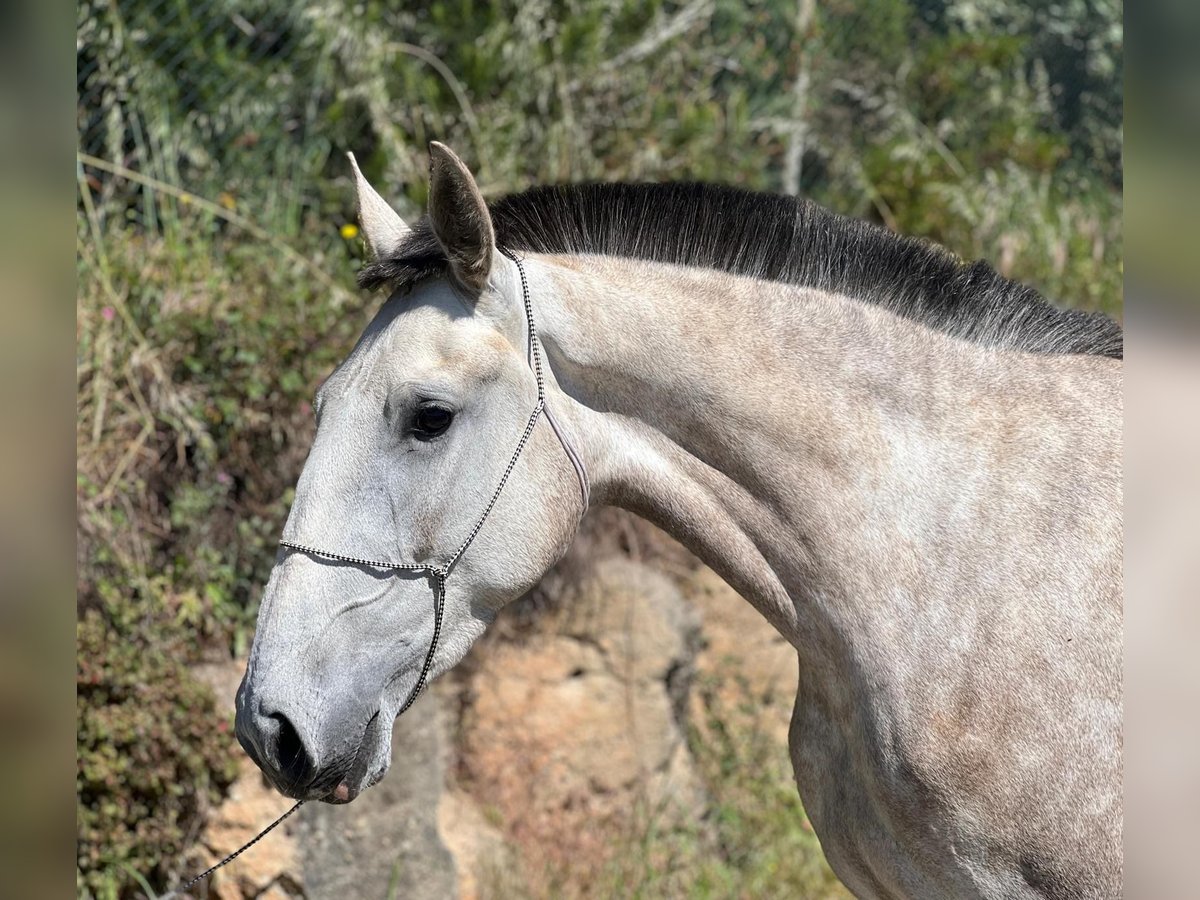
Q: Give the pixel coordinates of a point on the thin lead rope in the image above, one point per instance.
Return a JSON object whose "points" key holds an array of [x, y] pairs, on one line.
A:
{"points": [[576, 460], [538, 407], [375, 564], [535, 360], [439, 580], [234, 855], [444, 569]]}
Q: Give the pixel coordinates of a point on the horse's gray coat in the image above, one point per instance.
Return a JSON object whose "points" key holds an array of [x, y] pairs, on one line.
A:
{"points": [[934, 523]]}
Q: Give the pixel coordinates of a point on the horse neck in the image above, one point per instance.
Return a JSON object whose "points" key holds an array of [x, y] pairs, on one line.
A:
{"points": [[788, 437]]}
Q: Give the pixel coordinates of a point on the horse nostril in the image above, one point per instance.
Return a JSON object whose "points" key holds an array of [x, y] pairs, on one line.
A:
{"points": [[292, 760]]}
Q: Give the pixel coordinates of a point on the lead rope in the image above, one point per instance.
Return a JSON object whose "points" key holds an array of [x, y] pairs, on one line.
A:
{"points": [[437, 573], [234, 855]]}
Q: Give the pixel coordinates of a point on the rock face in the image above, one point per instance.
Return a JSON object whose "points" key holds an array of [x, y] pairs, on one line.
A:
{"points": [[737, 639], [580, 727], [274, 864], [482, 857], [272, 867]]}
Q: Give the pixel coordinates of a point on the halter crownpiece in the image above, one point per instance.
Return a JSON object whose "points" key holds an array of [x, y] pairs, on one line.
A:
{"points": [[439, 572]]}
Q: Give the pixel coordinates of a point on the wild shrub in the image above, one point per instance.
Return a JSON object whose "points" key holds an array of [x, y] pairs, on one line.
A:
{"points": [[153, 754], [196, 359]]}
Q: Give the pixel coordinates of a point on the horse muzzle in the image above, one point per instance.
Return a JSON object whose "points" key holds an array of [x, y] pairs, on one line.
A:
{"points": [[333, 760]]}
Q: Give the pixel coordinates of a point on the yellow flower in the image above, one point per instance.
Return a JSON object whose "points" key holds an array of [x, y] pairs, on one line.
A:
{"points": [[349, 231]]}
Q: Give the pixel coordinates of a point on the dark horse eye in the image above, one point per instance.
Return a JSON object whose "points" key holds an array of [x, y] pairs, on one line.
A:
{"points": [[430, 421]]}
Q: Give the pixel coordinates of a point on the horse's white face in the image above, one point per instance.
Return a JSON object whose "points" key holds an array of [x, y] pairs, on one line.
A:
{"points": [[414, 431]]}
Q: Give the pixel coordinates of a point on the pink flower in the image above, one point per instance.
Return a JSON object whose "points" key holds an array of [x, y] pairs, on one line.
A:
{"points": [[109, 313], [224, 478]]}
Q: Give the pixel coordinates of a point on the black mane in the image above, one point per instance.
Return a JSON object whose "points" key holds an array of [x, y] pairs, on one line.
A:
{"points": [[776, 238]]}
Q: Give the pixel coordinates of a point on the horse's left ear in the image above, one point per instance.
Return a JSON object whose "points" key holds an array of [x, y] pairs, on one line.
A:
{"points": [[460, 218]]}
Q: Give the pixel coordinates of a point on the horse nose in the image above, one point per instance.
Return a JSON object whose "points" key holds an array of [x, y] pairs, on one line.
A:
{"points": [[275, 744]]}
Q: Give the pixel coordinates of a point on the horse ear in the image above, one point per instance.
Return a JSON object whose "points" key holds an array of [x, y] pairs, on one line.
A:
{"points": [[382, 226], [460, 218]]}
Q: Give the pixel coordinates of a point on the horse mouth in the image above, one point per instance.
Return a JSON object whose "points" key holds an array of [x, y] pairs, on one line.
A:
{"points": [[356, 779]]}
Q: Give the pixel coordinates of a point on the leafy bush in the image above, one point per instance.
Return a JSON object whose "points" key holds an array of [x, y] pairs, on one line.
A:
{"points": [[153, 753], [935, 119]]}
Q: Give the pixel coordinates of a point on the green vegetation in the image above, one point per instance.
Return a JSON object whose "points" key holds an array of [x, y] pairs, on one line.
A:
{"points": [[757, 841], [989, 125], [150, 760], [197, 359], [766, 845], [215, 287]]}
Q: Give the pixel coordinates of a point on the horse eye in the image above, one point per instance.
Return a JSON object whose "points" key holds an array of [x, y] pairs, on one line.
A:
{"points": [[431, 421]]}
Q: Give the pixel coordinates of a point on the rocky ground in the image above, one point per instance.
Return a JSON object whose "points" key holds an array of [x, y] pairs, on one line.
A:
{"points": [[564, 732]]}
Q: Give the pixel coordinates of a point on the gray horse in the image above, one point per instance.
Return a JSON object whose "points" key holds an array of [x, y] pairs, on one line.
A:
{"points": [[908, 464]]}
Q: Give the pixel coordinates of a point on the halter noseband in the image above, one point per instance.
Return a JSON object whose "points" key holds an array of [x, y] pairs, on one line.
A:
{"points": [[440, 572]]}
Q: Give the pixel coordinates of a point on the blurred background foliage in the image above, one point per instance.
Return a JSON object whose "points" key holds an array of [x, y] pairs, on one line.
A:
{"points": [[215, 267]]}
